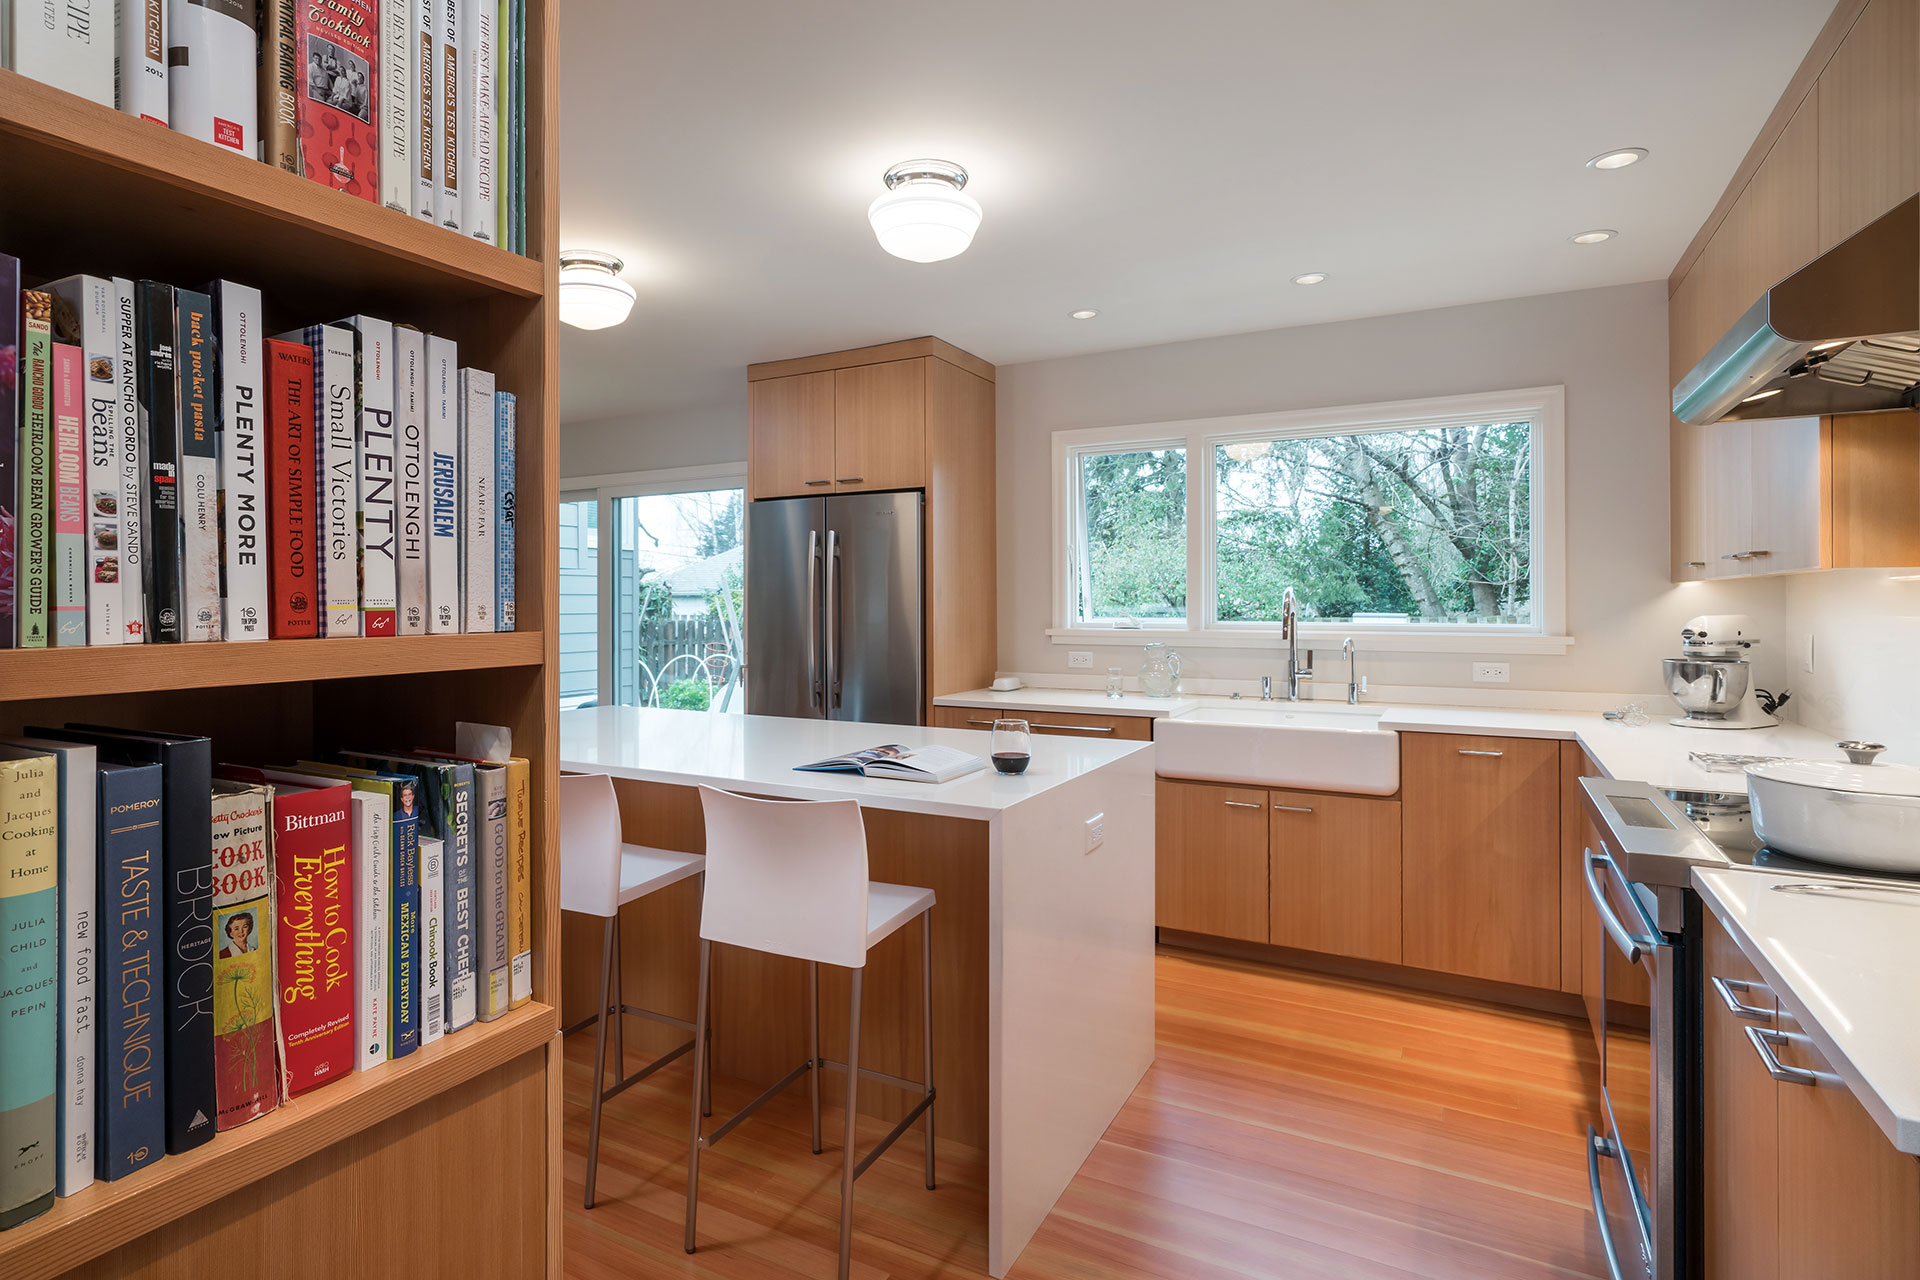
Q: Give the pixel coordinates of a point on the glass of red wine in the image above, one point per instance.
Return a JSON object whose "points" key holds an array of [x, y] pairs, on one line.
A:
{"points": [[1010, 750]]}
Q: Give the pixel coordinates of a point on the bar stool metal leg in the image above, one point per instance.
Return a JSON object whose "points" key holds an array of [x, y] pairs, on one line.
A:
{"points": [[847, 1172], [619, 1002], [926, 1029], [600, 1055], [699, 1071], [813, 1048]]}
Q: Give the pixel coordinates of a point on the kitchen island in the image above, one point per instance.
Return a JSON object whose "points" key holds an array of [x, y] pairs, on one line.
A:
{"points": [[1043, 946]]}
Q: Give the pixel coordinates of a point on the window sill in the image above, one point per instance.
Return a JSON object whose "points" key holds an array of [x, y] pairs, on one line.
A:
{"points": [[1465, 640]]}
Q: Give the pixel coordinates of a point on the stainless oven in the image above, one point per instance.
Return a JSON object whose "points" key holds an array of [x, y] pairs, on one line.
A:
{"points": [[1642, 1146]]}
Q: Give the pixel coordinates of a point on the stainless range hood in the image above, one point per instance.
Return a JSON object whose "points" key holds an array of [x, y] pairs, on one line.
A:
{"points": [[1840, 335]]}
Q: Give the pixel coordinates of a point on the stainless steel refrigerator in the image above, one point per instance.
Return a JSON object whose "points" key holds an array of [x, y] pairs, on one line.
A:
{"points": [[835, 607]]}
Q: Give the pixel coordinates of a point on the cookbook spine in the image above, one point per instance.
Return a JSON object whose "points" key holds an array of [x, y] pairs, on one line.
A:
{"points": [[9, 447], [199, 466], [130, 1112], [70, 47], [130, 469], [69, 497], [403, 990], [448, 75], [79, 961], [280, 84], [520, 879], [339, 95], [85, 313], [213, 82], [370, 868], [336, 477], [410, 514], [477, 124], [443, 512], [397, 165], [478, 498], [425, 109], [313, 931], [160, 433], [504, 486], [464, 977], [29, 986], [34, 565], [374, 447], [245, 1082], [293, 600], [433, 939], [140, 60], [242, 497]]}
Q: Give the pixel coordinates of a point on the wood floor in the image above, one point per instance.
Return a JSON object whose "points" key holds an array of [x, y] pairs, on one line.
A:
{"points": [[1293, 1125]]}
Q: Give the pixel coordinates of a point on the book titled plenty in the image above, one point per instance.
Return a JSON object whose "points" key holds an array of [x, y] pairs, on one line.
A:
{"points": [[914, 764]]}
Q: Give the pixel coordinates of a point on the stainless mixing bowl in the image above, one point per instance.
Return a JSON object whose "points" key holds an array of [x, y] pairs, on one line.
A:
{"points": [[1707, 689]]}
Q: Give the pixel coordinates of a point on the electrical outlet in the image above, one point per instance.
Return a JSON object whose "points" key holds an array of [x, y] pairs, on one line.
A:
{"points": [[1096, 831], [1489, 673], [1079, 660]]}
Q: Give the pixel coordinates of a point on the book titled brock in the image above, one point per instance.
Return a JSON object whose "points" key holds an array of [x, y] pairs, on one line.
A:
{"points": [[911, 764]]}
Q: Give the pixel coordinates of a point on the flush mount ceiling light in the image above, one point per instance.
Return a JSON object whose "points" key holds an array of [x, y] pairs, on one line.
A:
{"points": [[1084, 313], [1595, 236], [1618, 159], [592, 294], [1311, 277], [925, 216]]}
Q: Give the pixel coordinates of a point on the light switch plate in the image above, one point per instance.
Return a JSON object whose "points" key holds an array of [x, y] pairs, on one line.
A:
{"points": [[1079, 660], [1096, 831], [1489, 673]]}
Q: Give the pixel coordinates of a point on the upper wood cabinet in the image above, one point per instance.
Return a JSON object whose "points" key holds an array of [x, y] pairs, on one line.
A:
{"points": [[790, 435], [1869, 150], [1480, 858], [880, 426], [1210, 859], [1334, 874]]}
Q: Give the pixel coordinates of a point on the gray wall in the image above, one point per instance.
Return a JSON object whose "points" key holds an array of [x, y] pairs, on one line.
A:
{"points": [[699, 436]]}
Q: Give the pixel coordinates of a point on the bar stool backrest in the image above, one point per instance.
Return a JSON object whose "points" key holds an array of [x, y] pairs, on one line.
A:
{"points": [[589, 845], [787, 877]]}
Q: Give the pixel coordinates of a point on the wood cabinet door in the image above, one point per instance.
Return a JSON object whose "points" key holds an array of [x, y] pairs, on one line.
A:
{"points": [[1211, 859], [1784, 526], [1849, 1201], [1480, 866], [880, 426], [1334, 881], [1742, 1131], [1692, 501], [1725, 483], [790, 435], [1869, 145]]}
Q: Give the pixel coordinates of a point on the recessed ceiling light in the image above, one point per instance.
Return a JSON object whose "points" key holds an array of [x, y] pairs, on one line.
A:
{"points": [[1594, 237], [1084, 313], [1311, 277], [1762, 395], [1618, 159]]}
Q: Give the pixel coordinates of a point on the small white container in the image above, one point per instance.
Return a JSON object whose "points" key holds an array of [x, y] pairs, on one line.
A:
{"points": [[1853, 815]]}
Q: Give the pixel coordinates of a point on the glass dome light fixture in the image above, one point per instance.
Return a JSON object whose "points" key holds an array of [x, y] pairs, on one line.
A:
{"points": [[592, 294], [925, 216]]}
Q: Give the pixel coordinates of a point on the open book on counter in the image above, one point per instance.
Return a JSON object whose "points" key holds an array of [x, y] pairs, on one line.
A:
{"points": [[915, 764]]}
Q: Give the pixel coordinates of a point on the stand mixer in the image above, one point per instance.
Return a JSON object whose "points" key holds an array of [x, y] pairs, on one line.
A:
{"points": [[1711, 680]]}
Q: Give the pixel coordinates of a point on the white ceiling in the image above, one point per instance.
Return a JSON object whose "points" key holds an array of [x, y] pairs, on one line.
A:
{"points": [[1171, 164]]}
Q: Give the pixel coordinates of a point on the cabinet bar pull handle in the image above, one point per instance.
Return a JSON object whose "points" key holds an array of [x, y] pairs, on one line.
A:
{"points": [[1696, 564], [1292, 808], [1241, 804], [1076, 728], [987, 723], [1735, 1005], [1764, 1039], [848, 480], [818, 482], [1465, 752]]}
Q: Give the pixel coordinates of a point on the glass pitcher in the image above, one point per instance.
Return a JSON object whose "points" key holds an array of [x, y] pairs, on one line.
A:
{"points": [[1160, 672]]}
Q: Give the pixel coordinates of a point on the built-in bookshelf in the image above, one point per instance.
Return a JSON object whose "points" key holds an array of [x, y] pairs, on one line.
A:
{"points": [[454, 1151]]}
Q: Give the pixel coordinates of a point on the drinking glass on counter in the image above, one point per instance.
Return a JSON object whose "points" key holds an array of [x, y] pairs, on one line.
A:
{"points": [[1116, 683], [1011, 750]]}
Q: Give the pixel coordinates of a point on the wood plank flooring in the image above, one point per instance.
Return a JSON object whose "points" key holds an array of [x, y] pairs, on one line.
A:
{"points": [[1294, 1125]]}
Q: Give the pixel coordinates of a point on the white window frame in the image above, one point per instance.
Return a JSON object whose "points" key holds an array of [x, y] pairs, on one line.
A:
{"points": [[1542, 408], [635, 484]]}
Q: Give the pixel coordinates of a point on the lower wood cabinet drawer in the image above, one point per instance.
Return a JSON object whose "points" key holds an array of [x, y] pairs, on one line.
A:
{"points": [[1334, 874], [1211, 859], [1064, 724]]}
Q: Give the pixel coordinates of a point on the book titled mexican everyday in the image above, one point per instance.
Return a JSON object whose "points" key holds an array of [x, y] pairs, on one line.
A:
{"points": [[914, 764]]}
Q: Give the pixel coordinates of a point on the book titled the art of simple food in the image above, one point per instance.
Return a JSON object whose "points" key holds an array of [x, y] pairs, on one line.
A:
{"points": [[914, 764]]}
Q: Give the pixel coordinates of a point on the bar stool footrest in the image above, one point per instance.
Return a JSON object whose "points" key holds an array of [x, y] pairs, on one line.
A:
{"points": [[624, 1083], [880, 1077], [732, 1121], [906, 1122]]}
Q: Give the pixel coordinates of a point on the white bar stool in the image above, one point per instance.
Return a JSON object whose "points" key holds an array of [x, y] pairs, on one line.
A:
{"points": [[790, 878], [598, 876]]}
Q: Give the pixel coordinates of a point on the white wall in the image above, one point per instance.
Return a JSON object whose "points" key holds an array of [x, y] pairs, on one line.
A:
{"points": [[1608, 348], [698, 436], [1865, 631]]}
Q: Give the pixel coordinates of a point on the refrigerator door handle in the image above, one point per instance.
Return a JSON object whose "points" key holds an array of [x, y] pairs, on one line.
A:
{"points": [[833, 614], [813, 626]]}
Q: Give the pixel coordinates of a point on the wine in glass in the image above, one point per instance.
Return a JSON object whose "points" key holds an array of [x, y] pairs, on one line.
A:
{"points": [[1011, 752]]}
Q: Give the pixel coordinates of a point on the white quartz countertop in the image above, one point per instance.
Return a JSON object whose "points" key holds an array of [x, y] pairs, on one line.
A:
{"points": [[1841, 956], [759, 754], [1086, 702]]}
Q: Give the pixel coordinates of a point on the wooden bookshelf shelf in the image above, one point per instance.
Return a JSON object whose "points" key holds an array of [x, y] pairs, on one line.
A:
{"points": [[140, 668], [107, 1215], [79, 173]]}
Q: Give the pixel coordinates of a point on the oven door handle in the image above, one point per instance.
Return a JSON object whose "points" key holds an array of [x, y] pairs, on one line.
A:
{"points": [[1632, 945], [1598, 1146]]}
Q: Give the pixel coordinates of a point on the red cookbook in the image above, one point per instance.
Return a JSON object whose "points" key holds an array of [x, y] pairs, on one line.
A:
{"points": [[293, 603], [338, 93]]}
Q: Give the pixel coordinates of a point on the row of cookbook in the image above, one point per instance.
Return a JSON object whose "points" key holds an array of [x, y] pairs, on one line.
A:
{"points": [[188, 945], [170, 473], [416, 104]]}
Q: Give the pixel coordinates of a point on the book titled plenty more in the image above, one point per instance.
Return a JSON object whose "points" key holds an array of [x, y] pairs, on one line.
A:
{"points": [[171, 473], [190, 943]]}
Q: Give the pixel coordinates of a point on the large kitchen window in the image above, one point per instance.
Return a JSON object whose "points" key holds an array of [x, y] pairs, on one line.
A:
{"points": [[657, 606], [1431, 524]]}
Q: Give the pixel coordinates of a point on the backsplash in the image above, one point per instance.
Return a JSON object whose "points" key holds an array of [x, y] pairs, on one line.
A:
{"points": [[1864, 625]]}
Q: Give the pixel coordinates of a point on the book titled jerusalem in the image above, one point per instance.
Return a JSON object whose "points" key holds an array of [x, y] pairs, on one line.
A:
{"points": [[505, 477], [239, 432], [33, 550], [69, 497], [213, 88], [159, 407], [246, 1084], [293, 591], [339, 87], [29, 986], [199, 466], [86, 313], [130, 1124], [140, 60], [131, 464], [410, 461], [443, 491], [280, 84], [373, 397], [9, 442], [479, 495], [336, 476]]}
